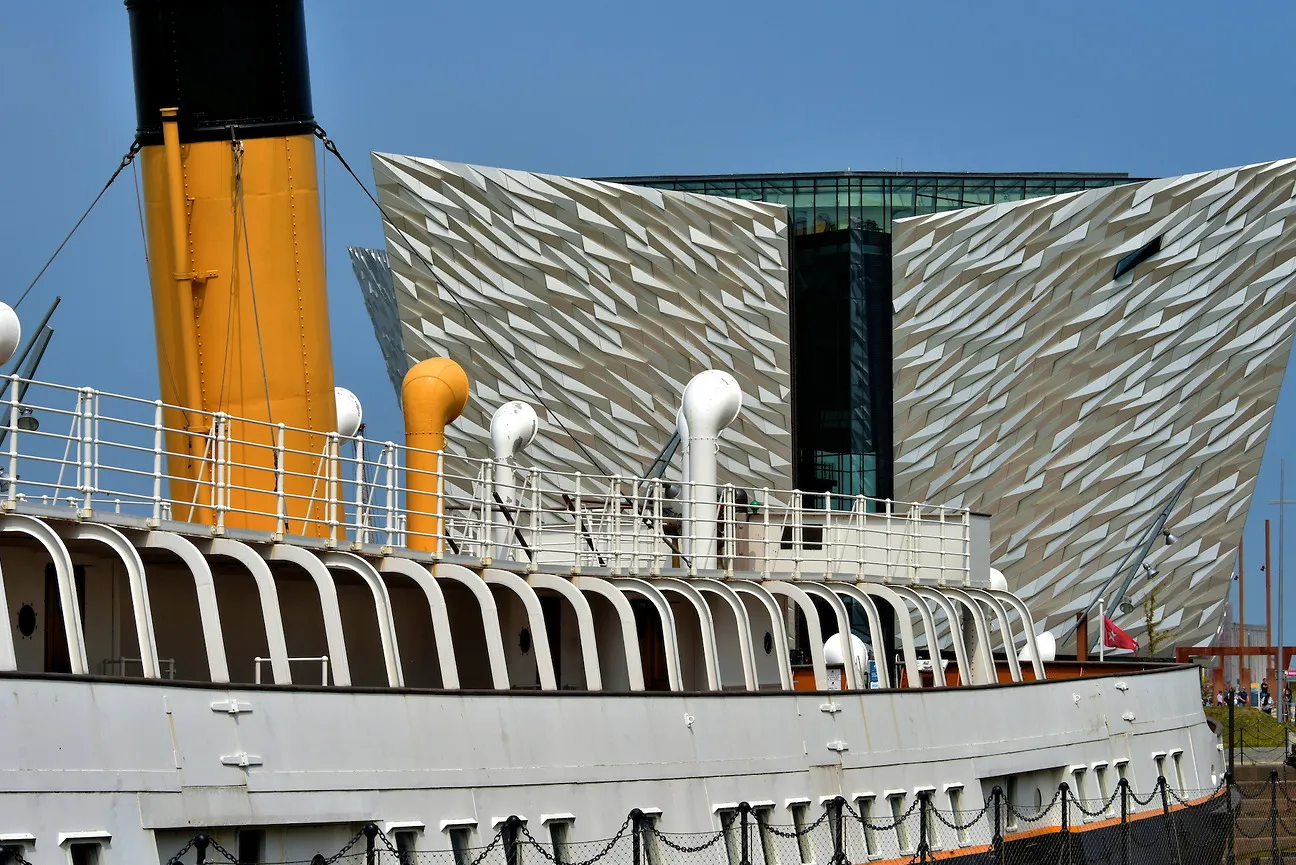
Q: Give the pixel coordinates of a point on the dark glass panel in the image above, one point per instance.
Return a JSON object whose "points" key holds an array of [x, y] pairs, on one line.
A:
{"points": [[978, 191], [1036, 188], [1008, 190], [925, 196]]}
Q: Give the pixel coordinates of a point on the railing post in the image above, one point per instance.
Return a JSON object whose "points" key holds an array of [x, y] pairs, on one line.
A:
{"points": [[1124, 820], [1228, 798], [576, 528], [636, 826], [1172, 837], [1064, 794], [1274, 856], [281, 502], [511, 840], [333, 488], [765, 541], [924, 804], [361, 481], [835, 817], [87, 448], [996, 794], [12, 493], [744, 815], [371, 843], [157, 461], [1232, 729], [200, 845], [218, 476]]}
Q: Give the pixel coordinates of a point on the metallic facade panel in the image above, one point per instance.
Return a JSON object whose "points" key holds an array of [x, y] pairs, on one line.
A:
{"points": [[606, 299], [1033, 385], [373, 272]]}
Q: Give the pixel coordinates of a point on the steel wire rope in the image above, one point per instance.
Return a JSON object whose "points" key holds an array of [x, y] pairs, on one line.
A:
{"points": [[331, 147], [125, 161], [247, 249]]}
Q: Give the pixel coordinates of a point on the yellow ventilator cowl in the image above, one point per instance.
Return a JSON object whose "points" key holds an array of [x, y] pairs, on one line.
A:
{"points": [[433, 394]]}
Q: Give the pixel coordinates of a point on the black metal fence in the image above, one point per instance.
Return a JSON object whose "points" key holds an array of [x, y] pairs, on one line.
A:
{"points": [[1234, 823]]}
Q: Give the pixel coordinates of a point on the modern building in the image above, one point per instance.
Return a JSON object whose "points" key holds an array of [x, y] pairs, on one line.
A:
{"points": [[1092, 360]]}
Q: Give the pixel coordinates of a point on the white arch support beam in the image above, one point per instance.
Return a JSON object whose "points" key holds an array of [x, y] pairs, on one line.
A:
{"points": [[875, 629], [38, 530], [489, 614], [843, 628], [1028, 628], [984, 671], [929, 630], [777, 631], [813, 632], [329, 609], [904, 621], [741, 620], [422, 578], [705, 624], [535, 616], [584, 624], [1005, 629], [652, 595], [205, 588], [8, 657], [276, 645], [955, 622], [625, 614], [382, 609], [140, 610]]}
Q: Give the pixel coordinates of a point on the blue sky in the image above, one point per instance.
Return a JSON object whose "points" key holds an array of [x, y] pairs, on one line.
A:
{"points": [[667, 87]]}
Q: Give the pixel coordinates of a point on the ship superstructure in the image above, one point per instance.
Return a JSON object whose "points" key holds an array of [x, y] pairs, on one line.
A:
{"points": [[232, 613]]}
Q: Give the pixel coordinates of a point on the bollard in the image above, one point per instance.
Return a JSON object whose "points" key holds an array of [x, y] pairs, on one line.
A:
{"points": [[510, 831], [200, 844], [1228, 797], [371, 843]]}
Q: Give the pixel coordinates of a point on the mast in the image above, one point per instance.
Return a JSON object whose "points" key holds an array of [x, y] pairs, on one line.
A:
{"points": [[223, 105]]}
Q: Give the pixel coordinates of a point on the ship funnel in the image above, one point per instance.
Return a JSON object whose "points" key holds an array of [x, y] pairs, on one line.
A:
{"points": [[711, 402], [512, 428], [433, 394]]}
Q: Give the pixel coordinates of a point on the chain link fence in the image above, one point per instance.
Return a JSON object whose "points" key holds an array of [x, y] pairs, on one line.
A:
{"points": [[1234, 823]]}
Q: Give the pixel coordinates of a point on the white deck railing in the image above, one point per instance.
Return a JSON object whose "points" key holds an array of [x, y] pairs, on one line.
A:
{"points": [[99, 454]]}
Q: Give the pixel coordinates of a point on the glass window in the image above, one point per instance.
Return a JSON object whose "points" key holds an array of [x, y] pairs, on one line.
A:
{"points": [[800, 810], [406, 846], [925, 196], [1037, 188], [1068, 185], [1008, 190], [84, 852], [725, 188], [949, 194]]}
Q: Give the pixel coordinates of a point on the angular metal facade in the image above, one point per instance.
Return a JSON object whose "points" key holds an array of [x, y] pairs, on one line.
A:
{"points": [[605, 299], [1034, 384]]}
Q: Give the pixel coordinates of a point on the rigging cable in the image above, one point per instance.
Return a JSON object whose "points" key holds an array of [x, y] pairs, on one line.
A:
{"points": [[247, 248], [508, 361], [125, 161]]}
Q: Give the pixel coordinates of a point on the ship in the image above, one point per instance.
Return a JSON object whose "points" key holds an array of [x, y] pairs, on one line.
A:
{"points": [[236, 627]]}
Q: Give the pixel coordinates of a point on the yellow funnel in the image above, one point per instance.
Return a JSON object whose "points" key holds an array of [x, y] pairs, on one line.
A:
{"points": [[433, 394]]}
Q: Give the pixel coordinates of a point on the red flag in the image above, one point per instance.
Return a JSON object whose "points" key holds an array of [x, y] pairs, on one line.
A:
{"points": [[1115, 638]]}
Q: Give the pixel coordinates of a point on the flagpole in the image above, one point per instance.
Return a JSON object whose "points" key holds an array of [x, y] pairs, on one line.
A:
{"points": [[1102, 633]]}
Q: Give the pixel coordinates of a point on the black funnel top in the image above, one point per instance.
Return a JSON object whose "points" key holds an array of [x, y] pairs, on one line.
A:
{"points": [[225, 64]]}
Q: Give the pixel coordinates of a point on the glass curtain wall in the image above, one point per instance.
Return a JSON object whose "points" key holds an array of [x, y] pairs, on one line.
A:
{"points": [[840, 281]]}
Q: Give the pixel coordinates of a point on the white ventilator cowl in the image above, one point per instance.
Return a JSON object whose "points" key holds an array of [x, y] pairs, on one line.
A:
{"points": [[349, 412], [833, 654], [512, 427], [1047, 648], [711, 401], [10, 332], [998, 581]]}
